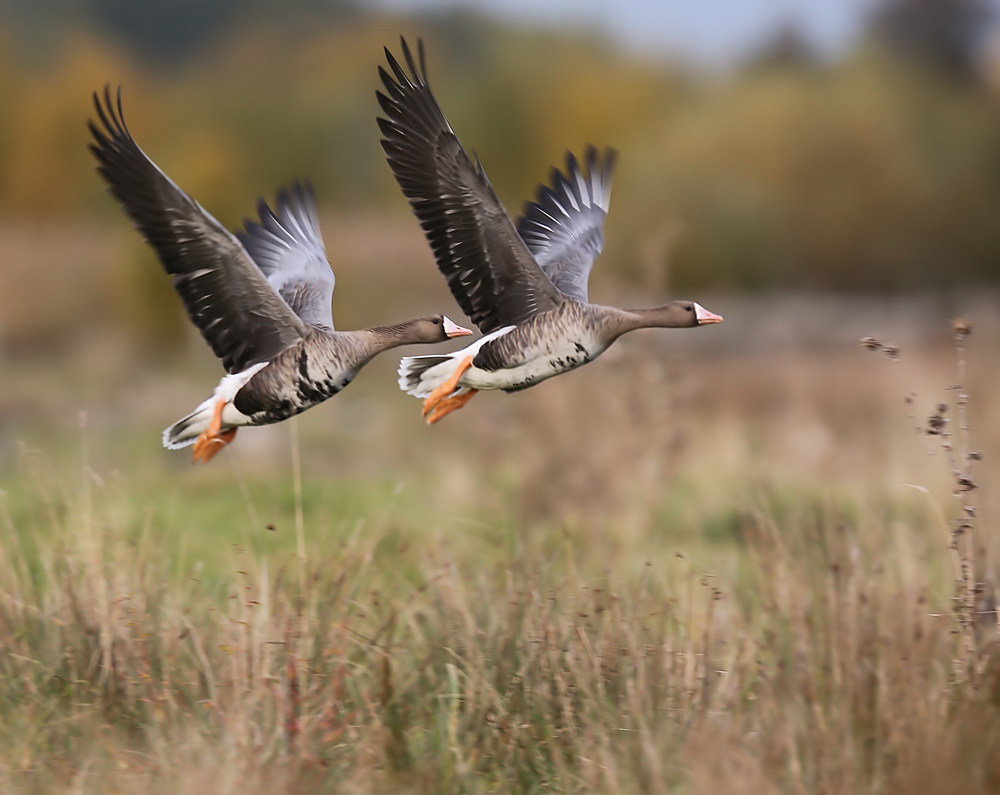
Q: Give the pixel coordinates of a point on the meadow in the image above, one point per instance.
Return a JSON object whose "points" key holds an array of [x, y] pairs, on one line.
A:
{"points": [[750, 559], [712, 561]]}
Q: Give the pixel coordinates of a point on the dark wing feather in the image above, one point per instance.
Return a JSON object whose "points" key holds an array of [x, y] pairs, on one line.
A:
{"points": [[226, 295], [288, 247], [564, 226], [489, 269]]}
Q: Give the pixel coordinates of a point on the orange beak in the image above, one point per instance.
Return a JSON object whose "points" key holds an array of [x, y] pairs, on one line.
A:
{"points": [[705, 317], [454, 330]]}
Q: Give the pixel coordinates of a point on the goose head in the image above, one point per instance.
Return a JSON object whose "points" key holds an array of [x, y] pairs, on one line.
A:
{"points": [[687, 314], [437, 328]]}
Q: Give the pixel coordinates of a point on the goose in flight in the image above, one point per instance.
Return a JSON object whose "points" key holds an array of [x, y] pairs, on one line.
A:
{"points": [[524, 286], [261, 299]]}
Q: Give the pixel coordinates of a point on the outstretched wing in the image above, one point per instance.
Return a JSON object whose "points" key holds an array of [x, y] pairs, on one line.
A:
{"points": [[288, 247], [489, 269], [564, 226], [226, 295]]}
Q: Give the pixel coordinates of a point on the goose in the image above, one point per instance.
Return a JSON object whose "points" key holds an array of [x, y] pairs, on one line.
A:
{"points": [[261, 299], [524, 286]]}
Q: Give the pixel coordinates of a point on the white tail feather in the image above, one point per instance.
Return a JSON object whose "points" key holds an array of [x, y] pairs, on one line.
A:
{"points": [[420, 375], [187, 430]]}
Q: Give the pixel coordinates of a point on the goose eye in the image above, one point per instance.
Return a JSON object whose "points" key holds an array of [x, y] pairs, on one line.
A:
{"points": [[689, 308]]}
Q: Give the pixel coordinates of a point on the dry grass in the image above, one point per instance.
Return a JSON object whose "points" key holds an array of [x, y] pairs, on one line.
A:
{"points": [[751, 602], [820, 670]]}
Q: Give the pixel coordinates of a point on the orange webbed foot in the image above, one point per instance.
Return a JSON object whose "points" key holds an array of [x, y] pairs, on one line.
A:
{"points": [[206, 448], [212, 439], [447, 388], [447, 406]]}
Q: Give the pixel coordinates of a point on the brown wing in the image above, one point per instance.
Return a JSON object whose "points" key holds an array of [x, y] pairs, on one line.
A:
{"points": [[226, 295], [489, 269]]}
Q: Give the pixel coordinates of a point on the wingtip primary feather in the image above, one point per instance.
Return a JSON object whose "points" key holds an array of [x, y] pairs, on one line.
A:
{"points": [[419, 75], [607, 174], [423, 59], [121, 112], [293, 217], [563, 226], [397, 70], [407, 55], [595, 187], [111, 115], [416, 78]]}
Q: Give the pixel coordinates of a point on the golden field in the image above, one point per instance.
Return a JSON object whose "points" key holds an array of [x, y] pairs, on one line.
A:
{"points": [[713, 560], [721, 560]]}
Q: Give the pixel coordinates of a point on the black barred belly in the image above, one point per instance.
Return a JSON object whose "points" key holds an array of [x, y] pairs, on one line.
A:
{"points": [[265, 406]]}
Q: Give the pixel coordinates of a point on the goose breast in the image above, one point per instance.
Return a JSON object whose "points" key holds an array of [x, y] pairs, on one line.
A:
{"points": [[541, 348]]}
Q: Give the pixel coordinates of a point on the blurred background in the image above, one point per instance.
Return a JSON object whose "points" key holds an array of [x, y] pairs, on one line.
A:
{"points": [[814, 171]]}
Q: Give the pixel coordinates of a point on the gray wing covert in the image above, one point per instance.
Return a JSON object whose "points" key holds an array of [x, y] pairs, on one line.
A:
{"points": [[288, 247], [564, 227]]}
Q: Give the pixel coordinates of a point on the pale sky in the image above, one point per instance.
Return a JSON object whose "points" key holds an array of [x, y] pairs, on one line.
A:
{"points": [[713, 32]]}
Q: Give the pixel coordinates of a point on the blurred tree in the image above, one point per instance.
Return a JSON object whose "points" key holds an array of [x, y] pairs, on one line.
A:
{"points": [[167, 31], [856, 175], [788, 48], [163, 30], [944, 34]]}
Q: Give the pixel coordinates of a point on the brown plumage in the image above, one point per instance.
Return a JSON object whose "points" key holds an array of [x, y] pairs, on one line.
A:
{"points": [[525, 286], [261, 299]]}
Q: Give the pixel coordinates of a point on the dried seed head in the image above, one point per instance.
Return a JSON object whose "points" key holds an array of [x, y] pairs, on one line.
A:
{"points": [[873, 344], [975, 456], [936, 422], [961, 326]]}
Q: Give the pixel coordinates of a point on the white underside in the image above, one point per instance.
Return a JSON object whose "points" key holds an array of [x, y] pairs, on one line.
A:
{"points": [[557, 356], [531, 372], [185, 431], [435, 376]]}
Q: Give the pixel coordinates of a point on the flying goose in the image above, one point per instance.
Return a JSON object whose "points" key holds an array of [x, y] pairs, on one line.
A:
{"points": [[525, 287], [261, 299]]}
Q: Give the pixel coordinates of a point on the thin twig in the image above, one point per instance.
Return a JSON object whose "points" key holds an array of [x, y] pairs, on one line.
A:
{"points": [[961, 537], [300, 529]]}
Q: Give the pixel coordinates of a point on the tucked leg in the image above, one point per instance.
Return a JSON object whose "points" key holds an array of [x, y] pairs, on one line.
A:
{"points": [[447, 387], [447, 406], [212, 439]]}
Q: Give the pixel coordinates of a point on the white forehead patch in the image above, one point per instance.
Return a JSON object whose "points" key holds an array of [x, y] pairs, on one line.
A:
{"points": [[702, 315]]}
